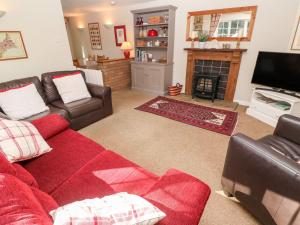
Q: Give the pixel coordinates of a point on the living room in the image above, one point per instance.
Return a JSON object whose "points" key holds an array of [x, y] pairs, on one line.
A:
{"points": [[234, 154]]}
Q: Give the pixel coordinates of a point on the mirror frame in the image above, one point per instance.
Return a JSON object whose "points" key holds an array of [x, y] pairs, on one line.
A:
{"points": [[253, 10]]}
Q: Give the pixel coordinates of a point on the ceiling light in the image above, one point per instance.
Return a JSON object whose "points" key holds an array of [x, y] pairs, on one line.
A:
{"points": [[113, 2]]}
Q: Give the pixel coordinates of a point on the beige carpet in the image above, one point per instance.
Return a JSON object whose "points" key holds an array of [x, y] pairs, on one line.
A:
{"points": [[158, 143]]}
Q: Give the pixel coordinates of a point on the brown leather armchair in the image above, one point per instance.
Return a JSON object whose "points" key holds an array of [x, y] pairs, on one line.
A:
{"points": [[82, 112], [264, 174]]}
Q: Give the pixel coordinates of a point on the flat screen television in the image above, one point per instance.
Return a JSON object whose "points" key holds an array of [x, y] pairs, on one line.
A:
{"points": [[278, 70]]}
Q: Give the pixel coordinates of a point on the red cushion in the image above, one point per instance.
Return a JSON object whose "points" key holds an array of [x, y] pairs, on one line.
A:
{"points": [[106, 174], [25, 176], [6, 166], [46, 201], [180, 196], [50, 125], [70, 152], [17, 171], [18, 204]]}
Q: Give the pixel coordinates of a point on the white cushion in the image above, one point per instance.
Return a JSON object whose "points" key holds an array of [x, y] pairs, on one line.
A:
{"points": [[22, 102], [71, 87], [118, 209], [20, 140]]}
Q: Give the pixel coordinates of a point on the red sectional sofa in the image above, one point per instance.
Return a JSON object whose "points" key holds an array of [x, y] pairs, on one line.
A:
{"points": [[78, 168]]}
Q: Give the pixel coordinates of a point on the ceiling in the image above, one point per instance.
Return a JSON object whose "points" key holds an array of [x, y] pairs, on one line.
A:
{"points": [[77, 7]]}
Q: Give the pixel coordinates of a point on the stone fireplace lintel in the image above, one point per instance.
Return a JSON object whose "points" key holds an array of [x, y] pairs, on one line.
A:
{"points": [[233, 56]]}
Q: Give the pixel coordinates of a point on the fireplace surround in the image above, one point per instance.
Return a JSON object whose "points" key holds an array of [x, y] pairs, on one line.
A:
{"points": [[223, 62]]}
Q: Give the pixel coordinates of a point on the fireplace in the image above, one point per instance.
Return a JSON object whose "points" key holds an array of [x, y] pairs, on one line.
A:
{"points": [[224, 63], [217, 70], [205, 86]]}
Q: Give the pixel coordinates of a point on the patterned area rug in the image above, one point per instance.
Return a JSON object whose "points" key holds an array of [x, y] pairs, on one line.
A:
{"points": [[217, 120]]}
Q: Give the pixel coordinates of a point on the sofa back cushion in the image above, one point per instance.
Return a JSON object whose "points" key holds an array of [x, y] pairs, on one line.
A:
{"points": [[50, 125], [17, 171], [21, 82], [49, 86], [18, 204]]}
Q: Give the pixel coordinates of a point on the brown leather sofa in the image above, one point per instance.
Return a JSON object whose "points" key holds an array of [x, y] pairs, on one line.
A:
{"points": [[264, 174], [35, 80], [83, 112], [80, 113]]}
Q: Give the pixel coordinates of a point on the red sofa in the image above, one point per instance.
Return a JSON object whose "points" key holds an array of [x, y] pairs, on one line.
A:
{"points": [[78, 168]]}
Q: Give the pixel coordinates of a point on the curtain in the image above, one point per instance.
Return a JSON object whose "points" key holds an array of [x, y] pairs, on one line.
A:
{"points": [[214, 22]]}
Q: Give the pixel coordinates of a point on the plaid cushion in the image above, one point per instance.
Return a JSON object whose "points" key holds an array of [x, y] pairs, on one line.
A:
{"points": [[117, 209], [20, 140]]}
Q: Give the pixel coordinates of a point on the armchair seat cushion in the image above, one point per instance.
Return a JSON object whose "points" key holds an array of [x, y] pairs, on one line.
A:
{"points": [[80, 107], [282, 145]]}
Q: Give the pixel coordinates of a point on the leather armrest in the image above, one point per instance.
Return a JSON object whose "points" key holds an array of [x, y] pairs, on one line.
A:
{"points": [[288, 127], [256, 169], [4, 116], [177, 193], [104, 93]]}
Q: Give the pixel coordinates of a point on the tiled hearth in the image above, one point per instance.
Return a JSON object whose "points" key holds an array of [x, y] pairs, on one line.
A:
{"points": [[215, 68], [223, 62]]}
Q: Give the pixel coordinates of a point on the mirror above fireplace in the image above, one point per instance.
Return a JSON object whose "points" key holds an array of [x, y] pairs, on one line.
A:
{"points": [[231, 24]]}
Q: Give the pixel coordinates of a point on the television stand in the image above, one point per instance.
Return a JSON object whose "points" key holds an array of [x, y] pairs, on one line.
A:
{"points": [[279, 91], [268, 105]]}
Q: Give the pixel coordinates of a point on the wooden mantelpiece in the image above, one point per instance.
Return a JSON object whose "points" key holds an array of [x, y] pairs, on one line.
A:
{"points": [[234, 56]]}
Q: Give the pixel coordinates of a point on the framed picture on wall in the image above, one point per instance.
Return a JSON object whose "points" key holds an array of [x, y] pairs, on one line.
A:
{"points": [[95, 37], [296, 40], [120, 34], [12, 45]]}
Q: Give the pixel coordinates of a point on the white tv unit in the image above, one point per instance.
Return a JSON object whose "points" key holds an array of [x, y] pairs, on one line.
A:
{"points": [[269, 105]]}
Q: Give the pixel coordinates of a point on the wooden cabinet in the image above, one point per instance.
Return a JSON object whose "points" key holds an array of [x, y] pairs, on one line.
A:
{"points": [[151, 78], [153, 74]]}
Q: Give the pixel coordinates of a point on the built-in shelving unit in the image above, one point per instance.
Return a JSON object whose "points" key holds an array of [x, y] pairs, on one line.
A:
{"points": [[268, 106], [152, 68]]}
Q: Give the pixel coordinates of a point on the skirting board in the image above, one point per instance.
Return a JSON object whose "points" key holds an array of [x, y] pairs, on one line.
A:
{"points": [[242, 102], [262, 117]]}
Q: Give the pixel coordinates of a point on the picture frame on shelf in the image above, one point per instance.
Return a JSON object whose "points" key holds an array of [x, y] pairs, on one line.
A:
{"points": [[95, 36], [120, 34], [296, 39], [12, 46]]}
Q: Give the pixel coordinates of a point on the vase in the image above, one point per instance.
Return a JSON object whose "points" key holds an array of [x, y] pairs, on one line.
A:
{"points": [[201, 44]]}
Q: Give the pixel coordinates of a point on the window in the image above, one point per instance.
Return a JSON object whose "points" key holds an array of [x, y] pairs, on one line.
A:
{"points": [[223, 29], [231, 28]]}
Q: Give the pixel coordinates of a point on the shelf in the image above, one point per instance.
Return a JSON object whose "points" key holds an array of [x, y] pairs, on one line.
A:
{"points": [[149, 63], [152, 47], [152, 37], [150, 25]]}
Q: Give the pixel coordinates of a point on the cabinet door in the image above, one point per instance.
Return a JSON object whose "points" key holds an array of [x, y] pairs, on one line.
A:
{"points": [[154, 78], [137, 76]]}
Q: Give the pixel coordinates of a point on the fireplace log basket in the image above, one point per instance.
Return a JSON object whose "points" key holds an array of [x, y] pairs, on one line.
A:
{"points": [[175, 90]]}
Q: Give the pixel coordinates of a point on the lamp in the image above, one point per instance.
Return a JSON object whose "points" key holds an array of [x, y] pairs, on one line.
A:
{"points": [[2, 13], [126, 47], [108, 25]]}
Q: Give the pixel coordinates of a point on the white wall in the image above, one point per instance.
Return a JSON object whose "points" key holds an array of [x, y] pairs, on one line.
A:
{"points": [[44, 33], [272, 32], [81, 36]]}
